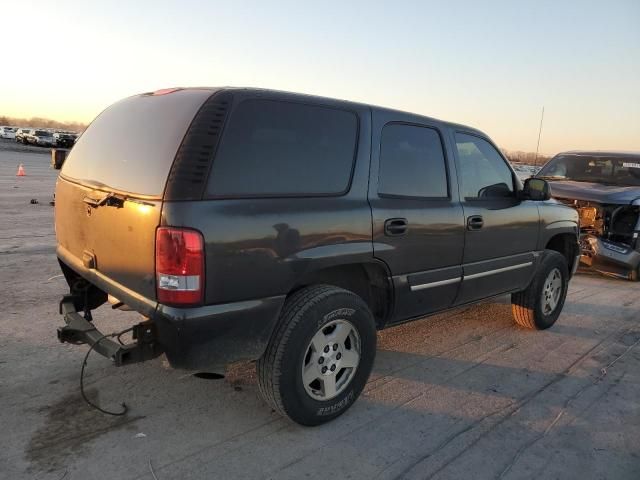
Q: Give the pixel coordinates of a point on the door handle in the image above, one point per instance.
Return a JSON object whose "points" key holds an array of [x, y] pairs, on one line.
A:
{"points": [[475, 222], [394, 227]]}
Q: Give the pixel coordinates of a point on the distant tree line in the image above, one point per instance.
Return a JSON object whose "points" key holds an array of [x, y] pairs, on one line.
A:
{"points": [[527, 158], [38, 122]]}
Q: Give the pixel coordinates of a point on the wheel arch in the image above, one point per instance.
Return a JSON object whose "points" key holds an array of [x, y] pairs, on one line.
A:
{"points": [[371, 281], [565, 243]]}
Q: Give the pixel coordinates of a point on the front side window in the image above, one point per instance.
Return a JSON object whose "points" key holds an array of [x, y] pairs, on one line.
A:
{"points": [[272, 148], [484, 173], [412, 162]]}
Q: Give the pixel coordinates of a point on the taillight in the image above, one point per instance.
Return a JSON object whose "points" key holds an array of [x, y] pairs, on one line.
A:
{"points": [[179, 266]]}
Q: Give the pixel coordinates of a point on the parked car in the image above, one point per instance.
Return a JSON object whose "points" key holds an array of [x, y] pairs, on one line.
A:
{"points": [[249, 224], [22, 134], [525, 171], [8, 133], [64, 139], [42, 138], [605, 189]]}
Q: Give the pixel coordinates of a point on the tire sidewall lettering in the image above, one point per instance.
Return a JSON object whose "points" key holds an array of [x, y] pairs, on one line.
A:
{"points": [[296, 402], [337, 406], [342, 313]]}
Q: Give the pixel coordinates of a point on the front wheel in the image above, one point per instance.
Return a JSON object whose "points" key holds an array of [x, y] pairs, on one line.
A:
{"points": [[539, 306], [320, 355]]}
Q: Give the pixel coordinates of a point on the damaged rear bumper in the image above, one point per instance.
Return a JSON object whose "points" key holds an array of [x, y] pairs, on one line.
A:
{"points": [[80, 330]]}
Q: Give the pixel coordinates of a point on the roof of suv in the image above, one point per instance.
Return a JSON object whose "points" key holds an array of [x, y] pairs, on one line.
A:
{"points": [[300, 96], [603, 153]]}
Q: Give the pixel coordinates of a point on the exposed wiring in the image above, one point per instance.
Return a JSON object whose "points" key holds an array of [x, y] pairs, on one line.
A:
{"points": [[125, 409], [120, 334]]}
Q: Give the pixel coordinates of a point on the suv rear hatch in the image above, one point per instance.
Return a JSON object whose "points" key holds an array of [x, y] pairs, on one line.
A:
{"points": [[110, 190]]}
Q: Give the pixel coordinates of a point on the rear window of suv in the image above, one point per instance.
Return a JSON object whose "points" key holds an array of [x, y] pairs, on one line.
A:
{"points": [[272, 148], [131, 145]]}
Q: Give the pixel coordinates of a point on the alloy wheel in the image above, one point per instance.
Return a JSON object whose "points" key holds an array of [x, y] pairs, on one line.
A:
{"points": [[331, 360], [551, 291]]}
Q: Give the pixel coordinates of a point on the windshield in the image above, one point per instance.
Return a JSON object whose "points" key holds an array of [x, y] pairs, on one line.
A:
{"points": [[623, 171], [42, 133]]}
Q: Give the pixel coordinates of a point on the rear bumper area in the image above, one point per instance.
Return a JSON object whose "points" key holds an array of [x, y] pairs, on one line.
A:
{"points": [[79, 330], [210, 337], [609, 257], [204, 338]]}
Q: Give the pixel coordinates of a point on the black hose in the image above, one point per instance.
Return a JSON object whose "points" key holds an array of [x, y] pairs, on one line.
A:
{"points": [[125, 409]]}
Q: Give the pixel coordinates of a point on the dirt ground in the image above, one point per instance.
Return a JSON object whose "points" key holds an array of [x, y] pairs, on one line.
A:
{"points": [[465, 394]]}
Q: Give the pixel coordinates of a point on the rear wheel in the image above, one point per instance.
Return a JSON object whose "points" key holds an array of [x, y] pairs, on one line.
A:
{"points": [[320, 355], [539, 306]]}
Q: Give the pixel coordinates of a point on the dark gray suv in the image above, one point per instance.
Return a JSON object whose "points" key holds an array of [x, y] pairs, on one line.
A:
{"points": [[249, 224]]}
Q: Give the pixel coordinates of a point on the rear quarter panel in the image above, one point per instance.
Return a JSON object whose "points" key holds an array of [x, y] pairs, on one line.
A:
{"points": [[259, 247]]}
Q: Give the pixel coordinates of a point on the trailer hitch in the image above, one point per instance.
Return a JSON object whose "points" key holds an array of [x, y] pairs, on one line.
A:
{"points": [[80, 330]]}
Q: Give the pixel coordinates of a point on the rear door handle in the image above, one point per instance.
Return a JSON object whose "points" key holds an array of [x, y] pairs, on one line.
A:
{"points": [[394, 227], [475, 222]]}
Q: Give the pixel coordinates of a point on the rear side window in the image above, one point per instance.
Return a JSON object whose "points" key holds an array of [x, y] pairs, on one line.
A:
{"points": [[131, 145], [412, 162], [272, 148]]}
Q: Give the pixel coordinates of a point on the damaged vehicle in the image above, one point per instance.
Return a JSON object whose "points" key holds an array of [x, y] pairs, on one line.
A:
{"points": [[605, 189], [286, 229]]}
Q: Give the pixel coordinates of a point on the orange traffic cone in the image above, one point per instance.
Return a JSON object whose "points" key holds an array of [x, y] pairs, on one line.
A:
{"points": [[20, 171]]}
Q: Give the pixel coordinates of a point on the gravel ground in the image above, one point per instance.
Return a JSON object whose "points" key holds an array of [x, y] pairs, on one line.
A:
{"points": [[465, 394]]}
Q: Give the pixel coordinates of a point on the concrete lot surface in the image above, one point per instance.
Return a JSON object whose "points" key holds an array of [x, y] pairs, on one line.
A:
{"points": [[465, 394]]}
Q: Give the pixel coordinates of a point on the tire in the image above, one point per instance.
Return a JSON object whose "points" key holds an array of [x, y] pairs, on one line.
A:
{"points": [[531, 308], [312, 321]]}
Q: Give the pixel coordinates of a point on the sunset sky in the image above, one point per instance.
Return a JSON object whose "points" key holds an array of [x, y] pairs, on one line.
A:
{"points": [[489, 64]]}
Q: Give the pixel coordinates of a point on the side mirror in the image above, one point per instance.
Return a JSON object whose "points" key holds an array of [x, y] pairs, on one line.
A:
{"points": [[536, 189]]}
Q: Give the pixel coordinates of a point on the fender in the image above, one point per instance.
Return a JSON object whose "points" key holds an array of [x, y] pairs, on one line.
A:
{"points": [[554, 221], [557, 228]]}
